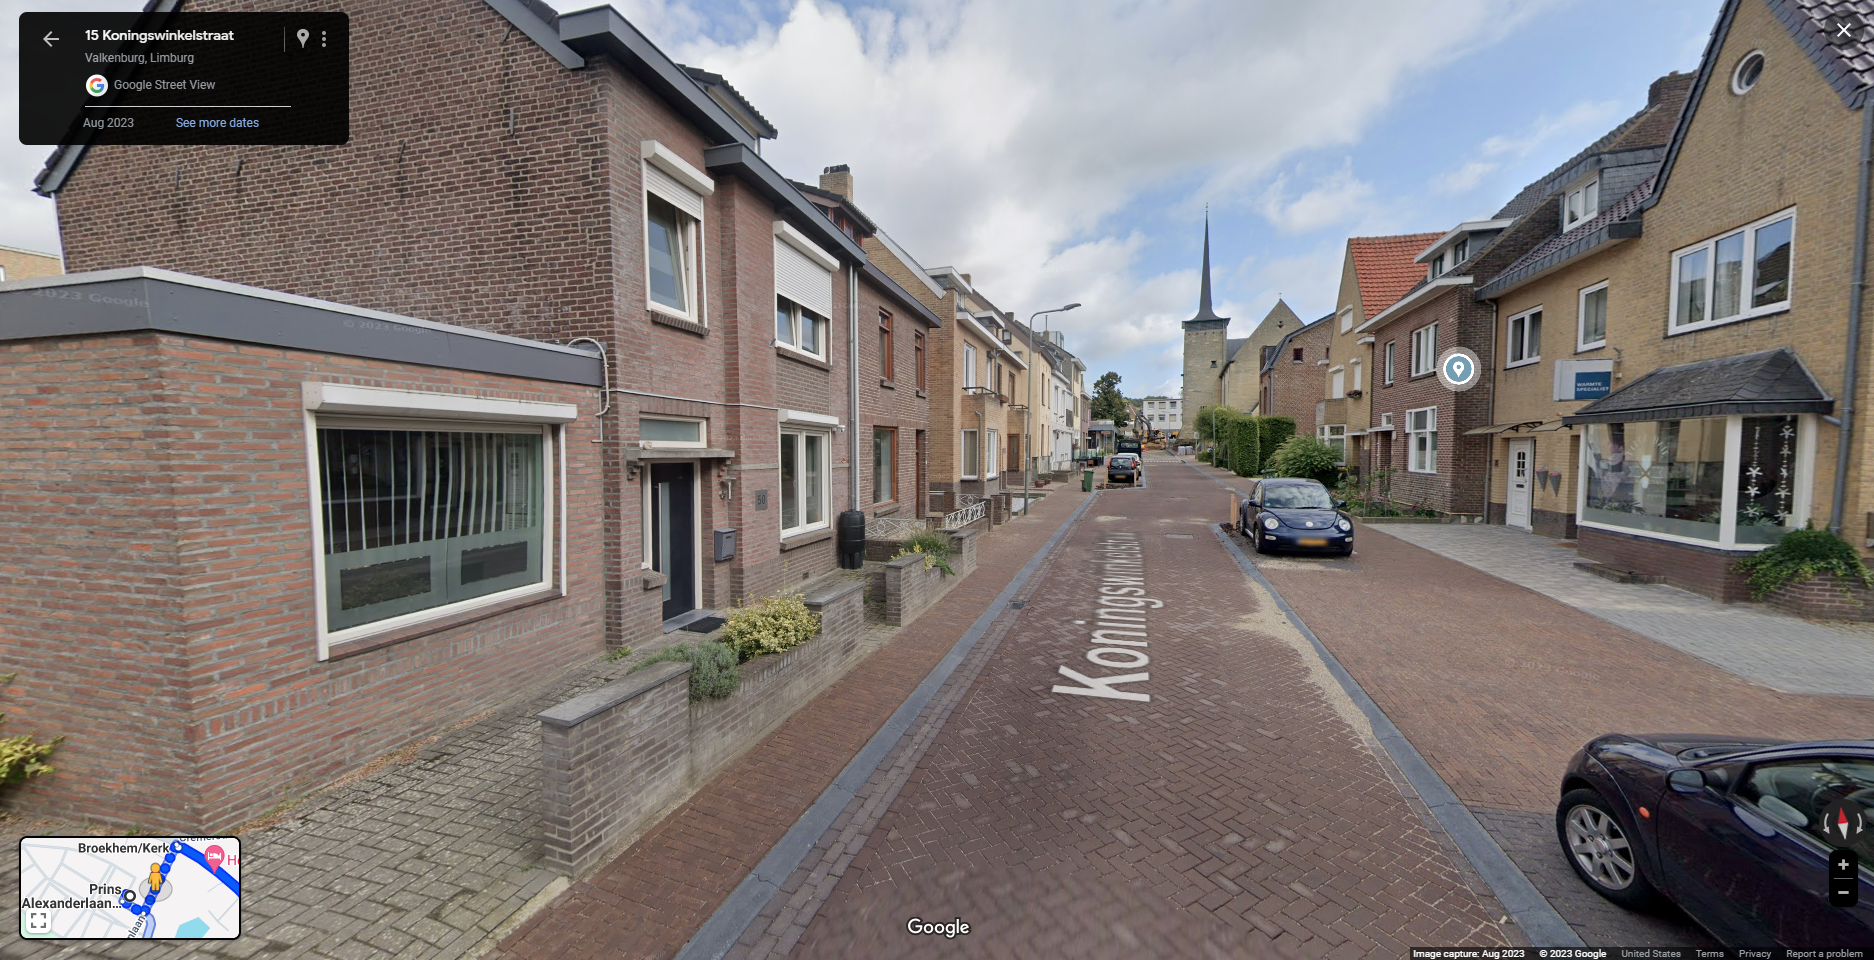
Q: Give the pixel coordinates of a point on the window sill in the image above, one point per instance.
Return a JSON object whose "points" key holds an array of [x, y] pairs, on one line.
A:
{"points": [[885, 508], [887, 383], [801, 357], [1522, 363], [923, 394], [1421, 376], [1672, 331], [1591, 347], [378, 641], [680, 323], [809, 538]]}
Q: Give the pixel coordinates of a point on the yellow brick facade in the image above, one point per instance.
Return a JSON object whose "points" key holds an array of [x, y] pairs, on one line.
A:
{"points": [[20, 264]]}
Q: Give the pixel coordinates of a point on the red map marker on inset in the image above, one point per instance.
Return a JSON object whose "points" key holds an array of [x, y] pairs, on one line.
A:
{"points": [[214, 855]]}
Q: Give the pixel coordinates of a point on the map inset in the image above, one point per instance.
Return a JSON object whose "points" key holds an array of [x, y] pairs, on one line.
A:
{"points": [[115, 888]]}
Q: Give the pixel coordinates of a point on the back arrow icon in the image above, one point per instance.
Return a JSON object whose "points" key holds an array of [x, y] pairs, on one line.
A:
{"points": [[48, 38]]}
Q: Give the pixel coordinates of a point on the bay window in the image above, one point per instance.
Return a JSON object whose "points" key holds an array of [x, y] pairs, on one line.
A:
{"points": [[1737, 276], [803, 482], [1735, 481]]}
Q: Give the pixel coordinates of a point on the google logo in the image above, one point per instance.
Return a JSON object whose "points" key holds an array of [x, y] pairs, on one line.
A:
{"points": [[96, 85]]}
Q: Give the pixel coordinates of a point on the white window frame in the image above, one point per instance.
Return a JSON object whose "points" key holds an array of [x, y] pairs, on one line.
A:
{"points": [[1581, 318], [344, 406], [1589, 192], [1355, 365], [1746, 283], [800, 481], [690, 228], [796, 316], [1509, 339], [1737, 73], [992, 465], [1346, 320], [1801, 504], [969, 365], [1425, 358], [1389, 361], [971, 449], [1334, 435], [1412, 436], [1336, 382], [702, 427]]}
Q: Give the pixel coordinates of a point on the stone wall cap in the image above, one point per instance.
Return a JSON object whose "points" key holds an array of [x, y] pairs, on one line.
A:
{"points": [[833, 591], [592, 703], [967, 532]]}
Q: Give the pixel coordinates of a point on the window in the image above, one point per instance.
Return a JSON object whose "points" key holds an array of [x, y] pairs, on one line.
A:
{"points": [[1460, 251], [1336, 383], [412, 520], [885, 364], [1796, 793], [1668, 478], [1525, 338], [1749, 69], [917, 346], [1346, 320], [989, 455], [1591, 323], [658, 432], [797, 327], [884, 464], [971, 455], [1389, 353], [1422, 439], [969, 365], [1335, 435], [1424, 350], [1297, 354], [1743, 274], [1356, 375], [670, 251], [1436, 267], [803, 482], [1581, 203]]}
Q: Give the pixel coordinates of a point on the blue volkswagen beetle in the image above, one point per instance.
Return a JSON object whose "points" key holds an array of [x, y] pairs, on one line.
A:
{"points": [[1290, 513]]}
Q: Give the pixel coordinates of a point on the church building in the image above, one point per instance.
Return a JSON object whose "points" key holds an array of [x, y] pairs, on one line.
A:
{"points": [[1222, 369]]}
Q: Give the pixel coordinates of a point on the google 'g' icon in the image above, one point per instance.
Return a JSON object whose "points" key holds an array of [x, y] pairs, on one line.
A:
{"points": [[96, 85]]}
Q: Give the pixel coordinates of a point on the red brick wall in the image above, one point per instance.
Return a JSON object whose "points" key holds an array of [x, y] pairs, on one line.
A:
{"points": [[1293, 389], [1705, 570], [163, 619], [1458, 486]]}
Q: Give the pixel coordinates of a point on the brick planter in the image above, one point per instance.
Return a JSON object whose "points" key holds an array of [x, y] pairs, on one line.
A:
{"points": [[614, 760], [910, 589], [1827, 597]]}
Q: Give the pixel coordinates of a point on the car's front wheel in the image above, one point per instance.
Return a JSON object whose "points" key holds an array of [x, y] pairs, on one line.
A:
{"points": [[1600, 849]]}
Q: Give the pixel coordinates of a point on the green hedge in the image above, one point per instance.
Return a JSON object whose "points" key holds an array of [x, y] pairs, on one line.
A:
{"points": [[1245, 446], [1275, 431]]}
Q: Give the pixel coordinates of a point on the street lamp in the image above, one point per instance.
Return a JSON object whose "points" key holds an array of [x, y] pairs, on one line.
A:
{"points": [[1028, 463]]}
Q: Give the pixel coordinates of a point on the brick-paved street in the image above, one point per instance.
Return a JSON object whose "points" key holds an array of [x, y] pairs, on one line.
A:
{"points": [[652, 899], [1497, 685], [1234, 814]]}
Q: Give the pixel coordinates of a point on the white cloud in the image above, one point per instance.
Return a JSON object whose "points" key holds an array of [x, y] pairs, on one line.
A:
{"points": [[1464, 178], [1339, 197]]}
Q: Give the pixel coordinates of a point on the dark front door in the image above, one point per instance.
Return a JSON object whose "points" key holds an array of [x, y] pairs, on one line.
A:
{"points": [[673, 534]]}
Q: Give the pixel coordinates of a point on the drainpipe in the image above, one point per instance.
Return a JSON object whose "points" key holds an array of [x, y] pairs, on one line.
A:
{"points": [[1857, 291], [1490, 444], [852, 338]]}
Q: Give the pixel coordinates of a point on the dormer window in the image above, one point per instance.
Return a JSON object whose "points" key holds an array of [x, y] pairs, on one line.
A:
{"points": [[1460, 252], [1581, 204], [1437, 267]]}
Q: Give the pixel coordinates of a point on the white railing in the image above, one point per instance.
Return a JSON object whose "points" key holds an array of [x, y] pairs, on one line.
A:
{"points": [[894, 528], [957, 519]]}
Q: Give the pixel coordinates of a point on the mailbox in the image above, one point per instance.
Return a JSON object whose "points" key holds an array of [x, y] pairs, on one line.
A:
{"points": [[725, 545]]}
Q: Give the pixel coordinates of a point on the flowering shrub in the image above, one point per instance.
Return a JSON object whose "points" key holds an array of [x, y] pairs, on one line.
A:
{"points": [[770, 625]]}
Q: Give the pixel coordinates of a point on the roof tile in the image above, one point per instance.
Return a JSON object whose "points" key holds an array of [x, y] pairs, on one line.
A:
{"points": [[1386, 269]]}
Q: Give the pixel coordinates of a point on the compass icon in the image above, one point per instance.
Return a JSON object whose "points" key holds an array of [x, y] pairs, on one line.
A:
{"points": [[1843, 822]]}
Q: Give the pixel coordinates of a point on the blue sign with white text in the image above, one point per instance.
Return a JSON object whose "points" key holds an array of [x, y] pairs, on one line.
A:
{"points": [[1592, 385]]}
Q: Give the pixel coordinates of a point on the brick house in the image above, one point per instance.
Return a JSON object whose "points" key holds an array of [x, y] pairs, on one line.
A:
{"points": [[273, 537], [1291, 375], [1553, 352], [570, 185], [19, 264], [1731, 303], [1375, 273]]}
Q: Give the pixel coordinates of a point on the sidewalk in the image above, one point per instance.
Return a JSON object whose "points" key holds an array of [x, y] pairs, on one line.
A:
{"points": [[652, 899], [431, 853], [1780, 651]]}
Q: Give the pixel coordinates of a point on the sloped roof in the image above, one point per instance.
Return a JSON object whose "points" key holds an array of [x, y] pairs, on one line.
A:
{"points": [[1613, 214], [1770, 382], [1652, 126], [1386, 267], [1281, 346], [715, 81], [1845, 58], [1232, 345]]}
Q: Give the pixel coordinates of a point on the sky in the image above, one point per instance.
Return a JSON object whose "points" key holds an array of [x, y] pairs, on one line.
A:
{"points": [[1066, 150]]}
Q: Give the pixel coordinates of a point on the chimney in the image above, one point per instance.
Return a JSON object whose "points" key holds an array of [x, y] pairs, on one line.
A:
{"points": [[1674, 81], [837, 179], [966, 278]]}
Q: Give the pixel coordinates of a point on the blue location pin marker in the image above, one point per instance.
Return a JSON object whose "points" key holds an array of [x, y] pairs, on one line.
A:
{"points": [[1458, 369]]}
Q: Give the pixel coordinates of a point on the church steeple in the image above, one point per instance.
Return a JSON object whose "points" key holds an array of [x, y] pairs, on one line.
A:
{"points": [[1204, 311]]}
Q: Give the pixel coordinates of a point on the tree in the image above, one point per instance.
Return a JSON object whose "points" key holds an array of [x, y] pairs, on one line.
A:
{"points": [[1108, 403]]}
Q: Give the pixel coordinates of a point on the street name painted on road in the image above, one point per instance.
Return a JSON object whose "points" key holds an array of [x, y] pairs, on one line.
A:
{"points": [[1119, 613]]}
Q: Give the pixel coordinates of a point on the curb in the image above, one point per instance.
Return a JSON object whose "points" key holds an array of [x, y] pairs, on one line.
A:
{"points": [[1525, 904], [724, 927]]}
